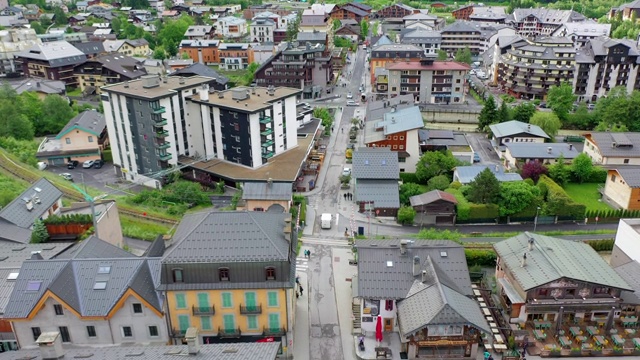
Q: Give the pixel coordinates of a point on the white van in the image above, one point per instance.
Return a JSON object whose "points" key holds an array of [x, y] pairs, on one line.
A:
{"points": [[325, 221]]}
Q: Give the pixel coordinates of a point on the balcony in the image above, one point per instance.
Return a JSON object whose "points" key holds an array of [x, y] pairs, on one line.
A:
{"points": [[265, 120], [160, 123], [267, 132], [268, 154], [267, 143], [274, 332], [162, 134], [164, 145], [164, 157], [176, 333], [158, 110], [203, 310], [229, 333], [251, 310]]}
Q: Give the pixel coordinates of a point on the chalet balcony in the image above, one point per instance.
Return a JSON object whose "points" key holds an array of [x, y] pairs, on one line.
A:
{"points": [[203, 310], [229, 333], [251, 310]]}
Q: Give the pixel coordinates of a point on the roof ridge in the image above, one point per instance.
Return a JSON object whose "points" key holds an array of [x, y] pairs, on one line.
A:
{"points": [[173, 248], [268, 237]]}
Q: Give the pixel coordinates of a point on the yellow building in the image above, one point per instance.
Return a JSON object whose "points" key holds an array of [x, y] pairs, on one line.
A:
{"points": [[139, 47], [229, 274]]}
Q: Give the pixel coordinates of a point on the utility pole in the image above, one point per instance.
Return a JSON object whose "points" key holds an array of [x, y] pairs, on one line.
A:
{"points": [[91, 201]]}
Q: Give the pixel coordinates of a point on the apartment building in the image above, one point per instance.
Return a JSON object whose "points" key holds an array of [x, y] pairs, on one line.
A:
{"points": [[530, 66], [604, 63], [147, 124], [201, 51], [262, 30], [398, 10], [13, 41], [231, 27], [52, 60], [354, 10], [430, 82], [232, 288], [235, 56], [244, 125], [317, 20], [382, 55], [107, 69], [307, 68], [542, 21], [476, 36], [583, 31]]}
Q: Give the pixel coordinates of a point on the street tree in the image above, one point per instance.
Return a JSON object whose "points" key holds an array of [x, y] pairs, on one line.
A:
{"points": [[560, 172], [374, 28], [488, 114], [516, 196], [406, 214], [560, 99], [364, 29], [434, 163], [159, 53], [484, 189], [533, 169], [548, 122], [582, 167], [464, 55]]}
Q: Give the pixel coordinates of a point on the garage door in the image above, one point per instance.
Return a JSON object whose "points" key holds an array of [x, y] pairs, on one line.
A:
{"points": [[444, 219], [58, 161]]}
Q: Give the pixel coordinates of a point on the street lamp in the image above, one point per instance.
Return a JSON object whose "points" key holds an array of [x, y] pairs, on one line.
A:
{"points": [[535, 221]]}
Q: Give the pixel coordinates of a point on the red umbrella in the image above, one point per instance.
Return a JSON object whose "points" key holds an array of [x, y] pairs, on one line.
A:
{"points": [[379, 329]]}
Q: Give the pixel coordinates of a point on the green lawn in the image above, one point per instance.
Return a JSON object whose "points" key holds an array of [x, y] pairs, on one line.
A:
{"points": [[586, 194]]}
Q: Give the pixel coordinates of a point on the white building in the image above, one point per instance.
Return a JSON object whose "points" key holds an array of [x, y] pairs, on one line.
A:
{"points": [[262, 30], [231, 27]]}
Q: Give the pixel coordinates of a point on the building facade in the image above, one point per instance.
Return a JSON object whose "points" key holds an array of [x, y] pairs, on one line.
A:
{"points": [[201, 51], [231, 27], [430, 82], [235, 56], [382, 55], [14, 41], [612, 148], [105, 70], [262, 30], [542, 21], [398, 10], [53, 60]]}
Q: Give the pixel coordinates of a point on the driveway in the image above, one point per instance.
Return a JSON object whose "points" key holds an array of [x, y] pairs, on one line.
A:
{"points": [[482, 146], [96, 178]]}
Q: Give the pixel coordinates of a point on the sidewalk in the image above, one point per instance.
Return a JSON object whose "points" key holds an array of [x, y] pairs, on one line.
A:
{"points": [[301, 327]]}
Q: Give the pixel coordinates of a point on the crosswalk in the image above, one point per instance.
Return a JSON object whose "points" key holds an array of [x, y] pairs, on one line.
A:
{"points": [[302, 265]]}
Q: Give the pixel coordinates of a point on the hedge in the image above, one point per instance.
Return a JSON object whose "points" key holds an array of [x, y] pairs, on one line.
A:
{"points": [[107, 156], [463, 208], [602, 245], [528, 212], [612, 214], [409, 178], [480, 257], [558, 201], [598, 175], [483, 211]]}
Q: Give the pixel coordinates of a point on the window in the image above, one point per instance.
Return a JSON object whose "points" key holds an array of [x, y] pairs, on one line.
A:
{"points": [[229, 322], [36, 333], [626, 161], [100, 285], [252, 322], [64, 334], [274, 321], [126, 331], [153, 331], [181, 301], [137, 308], [613, 178], [205, 323], [33, 285], [543, 292], [401, 147], [183, 322], [67, 140], [91, 331], [600, 290], [271, 273], [272, 298], [104, 269], [58, 309], [223, 274], [226, 300], [177, 276], [90, 138], [395, 147]]}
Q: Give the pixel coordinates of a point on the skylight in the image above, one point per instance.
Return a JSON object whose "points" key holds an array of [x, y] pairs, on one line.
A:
{"points": [[33, 285], [389, 263], [100, 285], [12, 276], [443, 254], [104, 269]]}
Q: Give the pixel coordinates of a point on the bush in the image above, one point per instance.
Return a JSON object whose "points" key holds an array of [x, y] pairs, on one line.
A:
{"points": [[462, 208], [484, 258], [598, 175], [406, 214], [409, 178], [456, 185], [24, 150], [602, 245], [107, 155], [483, 211], [68, 219], [558, 201], [435, 234]]}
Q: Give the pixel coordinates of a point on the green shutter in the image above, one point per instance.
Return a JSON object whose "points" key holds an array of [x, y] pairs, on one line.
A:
{"points": [[250, 299], [181, 301], [274, 321], [229, 322], [226, 300], [273, 298], [183, 320], [205, 322], [252, 322], [203, 300]]}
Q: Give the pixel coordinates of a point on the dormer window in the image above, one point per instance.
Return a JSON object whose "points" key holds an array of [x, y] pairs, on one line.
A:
{"points": [[223, 274], [177, 276], [270, 273]]}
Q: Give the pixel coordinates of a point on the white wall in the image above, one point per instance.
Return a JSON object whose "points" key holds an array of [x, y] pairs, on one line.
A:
{"points": [[199, 130], [618, 191], [370, 327], [628, 238], [290, 117], [593, 151], [413, 148], [139, 324], [256, 148]]}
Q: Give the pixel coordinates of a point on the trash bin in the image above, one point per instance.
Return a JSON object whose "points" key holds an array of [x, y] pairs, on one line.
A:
{"points": [[360, 230]]}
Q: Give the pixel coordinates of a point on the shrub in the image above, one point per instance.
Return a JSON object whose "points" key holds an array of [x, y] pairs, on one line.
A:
{"points": [[409, 178], [107, 155], [462, 208], [456, 185], [39, 234], [483, 211], [602, 245], [435, 234], [25, 150], [406, 214], [558, 201], [598, 175], [483, 258]]}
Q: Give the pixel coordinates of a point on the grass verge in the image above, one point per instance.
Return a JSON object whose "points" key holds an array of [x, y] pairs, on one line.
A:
{"points": [[586, 194], [140, 229], [548, 233]]}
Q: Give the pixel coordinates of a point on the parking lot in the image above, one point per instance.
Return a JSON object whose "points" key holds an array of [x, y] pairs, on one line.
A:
{"points": [[96, 178]]}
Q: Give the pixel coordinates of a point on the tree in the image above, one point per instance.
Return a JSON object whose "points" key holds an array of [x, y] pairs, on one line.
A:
{"points": [[406, 214], [159, 53], [324, 115], [582, 119], [560, 172], [336, 24], [39, 234], [247, 78], [442, 55], [364, 29], [523, 112], [59, 18], [464, 55], [582, 167], [171, 33], [434, 163], [292, 29], [548, 122], [533, 169], [185, 56], [439, 182], [407, 190], [560, 99], [37, 27], [488, 114], [374, 28], [504, 113], [484, 189], [516, 196], [58, 113]]}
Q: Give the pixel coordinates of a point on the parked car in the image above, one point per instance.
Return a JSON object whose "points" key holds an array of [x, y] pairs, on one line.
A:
{"points": [[346, 172], [543, 105], [98, 164], [476, 157], [42, 165], [352, 103], [72, 164], [349, 95], [67, 176], [88, 164], [591, 106]]}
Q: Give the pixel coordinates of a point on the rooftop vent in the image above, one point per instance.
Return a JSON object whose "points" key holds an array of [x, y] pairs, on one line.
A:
{"points": [[150, 81], [239, 94]]}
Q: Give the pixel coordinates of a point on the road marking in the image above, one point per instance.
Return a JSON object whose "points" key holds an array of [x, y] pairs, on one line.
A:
{"points": [[337, 218]]}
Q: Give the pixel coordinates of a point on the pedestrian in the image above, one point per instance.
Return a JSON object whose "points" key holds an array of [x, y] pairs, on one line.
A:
{"points": [[309, 253], [332, 129], [342, 130], [346, 230], [344, 196], [487, 355], [298, 279], [301, 290], [297, 295]]}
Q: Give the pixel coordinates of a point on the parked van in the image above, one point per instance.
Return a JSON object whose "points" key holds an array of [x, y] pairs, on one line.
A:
{"points": [[325, 221]]}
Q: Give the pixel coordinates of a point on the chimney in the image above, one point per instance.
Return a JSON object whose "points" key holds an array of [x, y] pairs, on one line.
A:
{"points": [[50, 345], [530, 244], [269, 182], [181, 81], [424, 276], [614, 145], [497, 168], [193, 344], [204, 92], [416, 265], [570, 147], [35, 255], [524, 260], [403, 247], [287, 228], [529, 127], [549, 150]]}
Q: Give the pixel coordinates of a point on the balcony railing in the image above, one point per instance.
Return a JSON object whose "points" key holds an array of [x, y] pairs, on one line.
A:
{"points": [[268, 155], [204, 310], [158, 110], [164, 145], [267, 132], [265, 120], [274, 331], [177, 333], [164, 157], [251, 310], [161, 122], [162, 134], [267, 143], [229, 333]]}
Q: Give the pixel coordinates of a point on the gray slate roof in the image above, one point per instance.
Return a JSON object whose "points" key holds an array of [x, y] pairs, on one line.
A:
{"points": [[377, 280], [89, 120], [442, 138], [240, 236], [515, 127], [630, 272], [541, 150], [631, 176], [375, 163], [549, 16], [266, 191], [437, 302], [627, 143], [39, 85], [466, 174], [202, 70], [73, 280], [311, 36], [128, 67], [57, 53], [393, 122], [16, 212], [553, 259], [383, 193], [228, 351]]}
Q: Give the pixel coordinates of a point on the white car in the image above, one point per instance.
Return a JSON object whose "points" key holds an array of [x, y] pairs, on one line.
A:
{"points": [[352, 103], [88, 164], [349, 95], [346, 172]]}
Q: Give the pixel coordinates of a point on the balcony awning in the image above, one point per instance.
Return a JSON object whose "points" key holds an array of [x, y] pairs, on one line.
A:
{"points": [[510, 291]]}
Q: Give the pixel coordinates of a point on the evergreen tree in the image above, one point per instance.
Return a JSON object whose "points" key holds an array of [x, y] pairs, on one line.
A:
{"points": [[488, 114], [484, 189], [39, 234], [504, 113]]}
